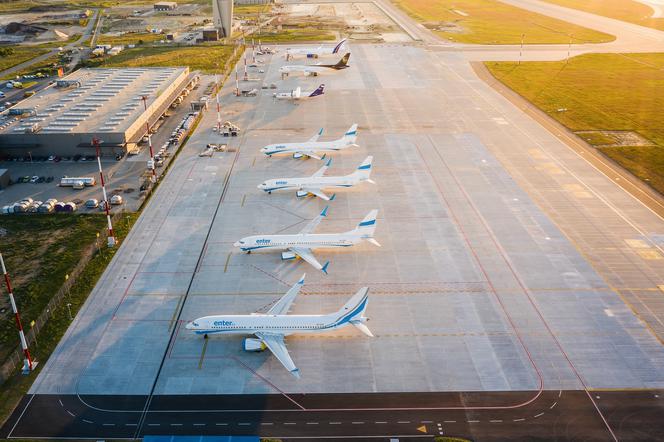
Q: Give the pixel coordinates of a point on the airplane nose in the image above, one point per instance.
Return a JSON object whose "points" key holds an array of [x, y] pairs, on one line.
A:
{"points": [[189, 326], [236, 244]]}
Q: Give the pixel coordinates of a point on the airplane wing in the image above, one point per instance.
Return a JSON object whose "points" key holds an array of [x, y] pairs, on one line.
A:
{"points": [[283, 305], [315, 137], [310, 155], [322, 170], [309, 257], [278, 348], [315, 191], [314, 222]]}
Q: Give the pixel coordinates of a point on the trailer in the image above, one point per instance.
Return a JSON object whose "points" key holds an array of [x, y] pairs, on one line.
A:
{"points": [[75, 181]]}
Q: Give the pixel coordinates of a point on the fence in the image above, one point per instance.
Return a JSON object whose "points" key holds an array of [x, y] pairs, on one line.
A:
{"points": [[16, 357]]}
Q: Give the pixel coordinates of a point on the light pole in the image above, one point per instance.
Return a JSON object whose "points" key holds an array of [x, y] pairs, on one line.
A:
{"points": [[28, 363], [69, 311], [521, 48], [153, 177], [569, 48], [107, 203]]}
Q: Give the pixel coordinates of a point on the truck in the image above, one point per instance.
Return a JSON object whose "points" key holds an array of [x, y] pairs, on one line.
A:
{"points": [[76, 182]]}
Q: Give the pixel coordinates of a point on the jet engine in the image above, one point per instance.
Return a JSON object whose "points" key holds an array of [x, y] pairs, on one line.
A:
{"points": [[252, 344], [297, 156], [287, 255], [301, 193], [310, 74]]}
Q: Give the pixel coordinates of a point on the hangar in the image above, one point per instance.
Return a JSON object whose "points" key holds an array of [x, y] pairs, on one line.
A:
{"points": [[109, 104]]}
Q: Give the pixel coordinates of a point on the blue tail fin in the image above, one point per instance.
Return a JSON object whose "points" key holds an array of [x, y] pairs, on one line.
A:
{"points": [[319, 91]]}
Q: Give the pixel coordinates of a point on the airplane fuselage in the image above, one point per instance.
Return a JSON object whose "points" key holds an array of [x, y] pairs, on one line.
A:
{"points": [[257, 323], [309, 182], [318, 146], [308, 241]]}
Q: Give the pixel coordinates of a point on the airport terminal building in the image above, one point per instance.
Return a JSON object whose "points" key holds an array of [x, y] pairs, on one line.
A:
{"points": [[107, 104]]}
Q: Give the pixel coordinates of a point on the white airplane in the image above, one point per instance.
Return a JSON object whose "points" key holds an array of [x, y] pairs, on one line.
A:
{"points": [[311, 52], [314, 69], [297, 94], [303, 243], [272, 327], [314, 184], [311, 147]]}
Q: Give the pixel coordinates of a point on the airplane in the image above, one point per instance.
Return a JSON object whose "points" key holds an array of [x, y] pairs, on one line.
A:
{"points": [[297, 94], [310, 52], [310, 148], [315, 184], [314, 69], [303, 243], [272, 327]]}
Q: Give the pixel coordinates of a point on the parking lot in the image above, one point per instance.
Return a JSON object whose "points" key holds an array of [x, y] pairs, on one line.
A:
{"points": [[124, 176]]}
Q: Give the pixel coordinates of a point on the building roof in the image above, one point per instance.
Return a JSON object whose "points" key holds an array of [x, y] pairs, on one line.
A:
{"points": [[106, 101]]}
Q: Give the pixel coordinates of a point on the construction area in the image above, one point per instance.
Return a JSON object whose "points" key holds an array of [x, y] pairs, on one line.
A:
{"points": [[111, 105]]}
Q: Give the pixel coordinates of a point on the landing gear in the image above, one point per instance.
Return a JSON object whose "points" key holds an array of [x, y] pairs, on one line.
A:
{"points": [[269, 192], [205, 336], [248, 252]]}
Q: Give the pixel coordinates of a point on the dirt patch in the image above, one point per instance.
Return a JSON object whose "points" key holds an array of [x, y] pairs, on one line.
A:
{"points": [[614, 138], [444, 26]]}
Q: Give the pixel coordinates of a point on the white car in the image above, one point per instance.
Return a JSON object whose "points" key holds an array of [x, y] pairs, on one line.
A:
{"points": [[116, 200]]}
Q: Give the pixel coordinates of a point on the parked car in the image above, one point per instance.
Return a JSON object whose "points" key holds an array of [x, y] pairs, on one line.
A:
{"points": [[116, 200], [92, 203], [34, 179]]}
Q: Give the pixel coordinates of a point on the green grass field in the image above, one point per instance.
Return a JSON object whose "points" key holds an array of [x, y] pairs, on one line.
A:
{"points": [[617, 92], [44, 249], [295, 35], [200, 57], [492, 22], [626, 10], [71, 233], [20, 55], [130, 39]]}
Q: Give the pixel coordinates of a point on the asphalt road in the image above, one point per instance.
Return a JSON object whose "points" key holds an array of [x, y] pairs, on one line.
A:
{"points": [[546, 415]]}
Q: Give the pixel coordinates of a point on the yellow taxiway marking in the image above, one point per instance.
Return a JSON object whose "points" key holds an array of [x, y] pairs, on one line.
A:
{"points": [[637, 243], [422, 429], [200, 361], [175, 313], [228, 258], [649, 253]]}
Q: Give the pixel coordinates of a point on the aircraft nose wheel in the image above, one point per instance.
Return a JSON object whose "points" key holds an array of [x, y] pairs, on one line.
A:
{"points": [[205, 336]]}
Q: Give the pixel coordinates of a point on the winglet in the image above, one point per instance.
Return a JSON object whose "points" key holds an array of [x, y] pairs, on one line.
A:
{"points": [[296, 373], [301, 281], [329, 161], [324, 269], [324, 212], [320, 132], [323, 157], [334, 195]]}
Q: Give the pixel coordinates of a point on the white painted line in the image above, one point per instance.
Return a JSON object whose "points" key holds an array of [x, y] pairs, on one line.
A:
{"points": [[70, 413], [108, 425], [267, 423], [450, 422], [496, 420], [87, 421], [403, 422], [61, 404], [538, 415], [290, 423], [244, 423], [357, 423], [221, 424], [335, 423], [153, 425], [131, 425], [380, 422], [472, 422], [312, 423], [176, 425], [554, 404], [518, 420], [426, 422], [199, 425]]}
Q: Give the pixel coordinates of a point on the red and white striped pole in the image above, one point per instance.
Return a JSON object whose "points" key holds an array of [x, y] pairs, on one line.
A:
{"points": [[216, 82], [246, 76], [237, 83], [253, 51], [107, 203], [147, 129], [28, 363]]}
